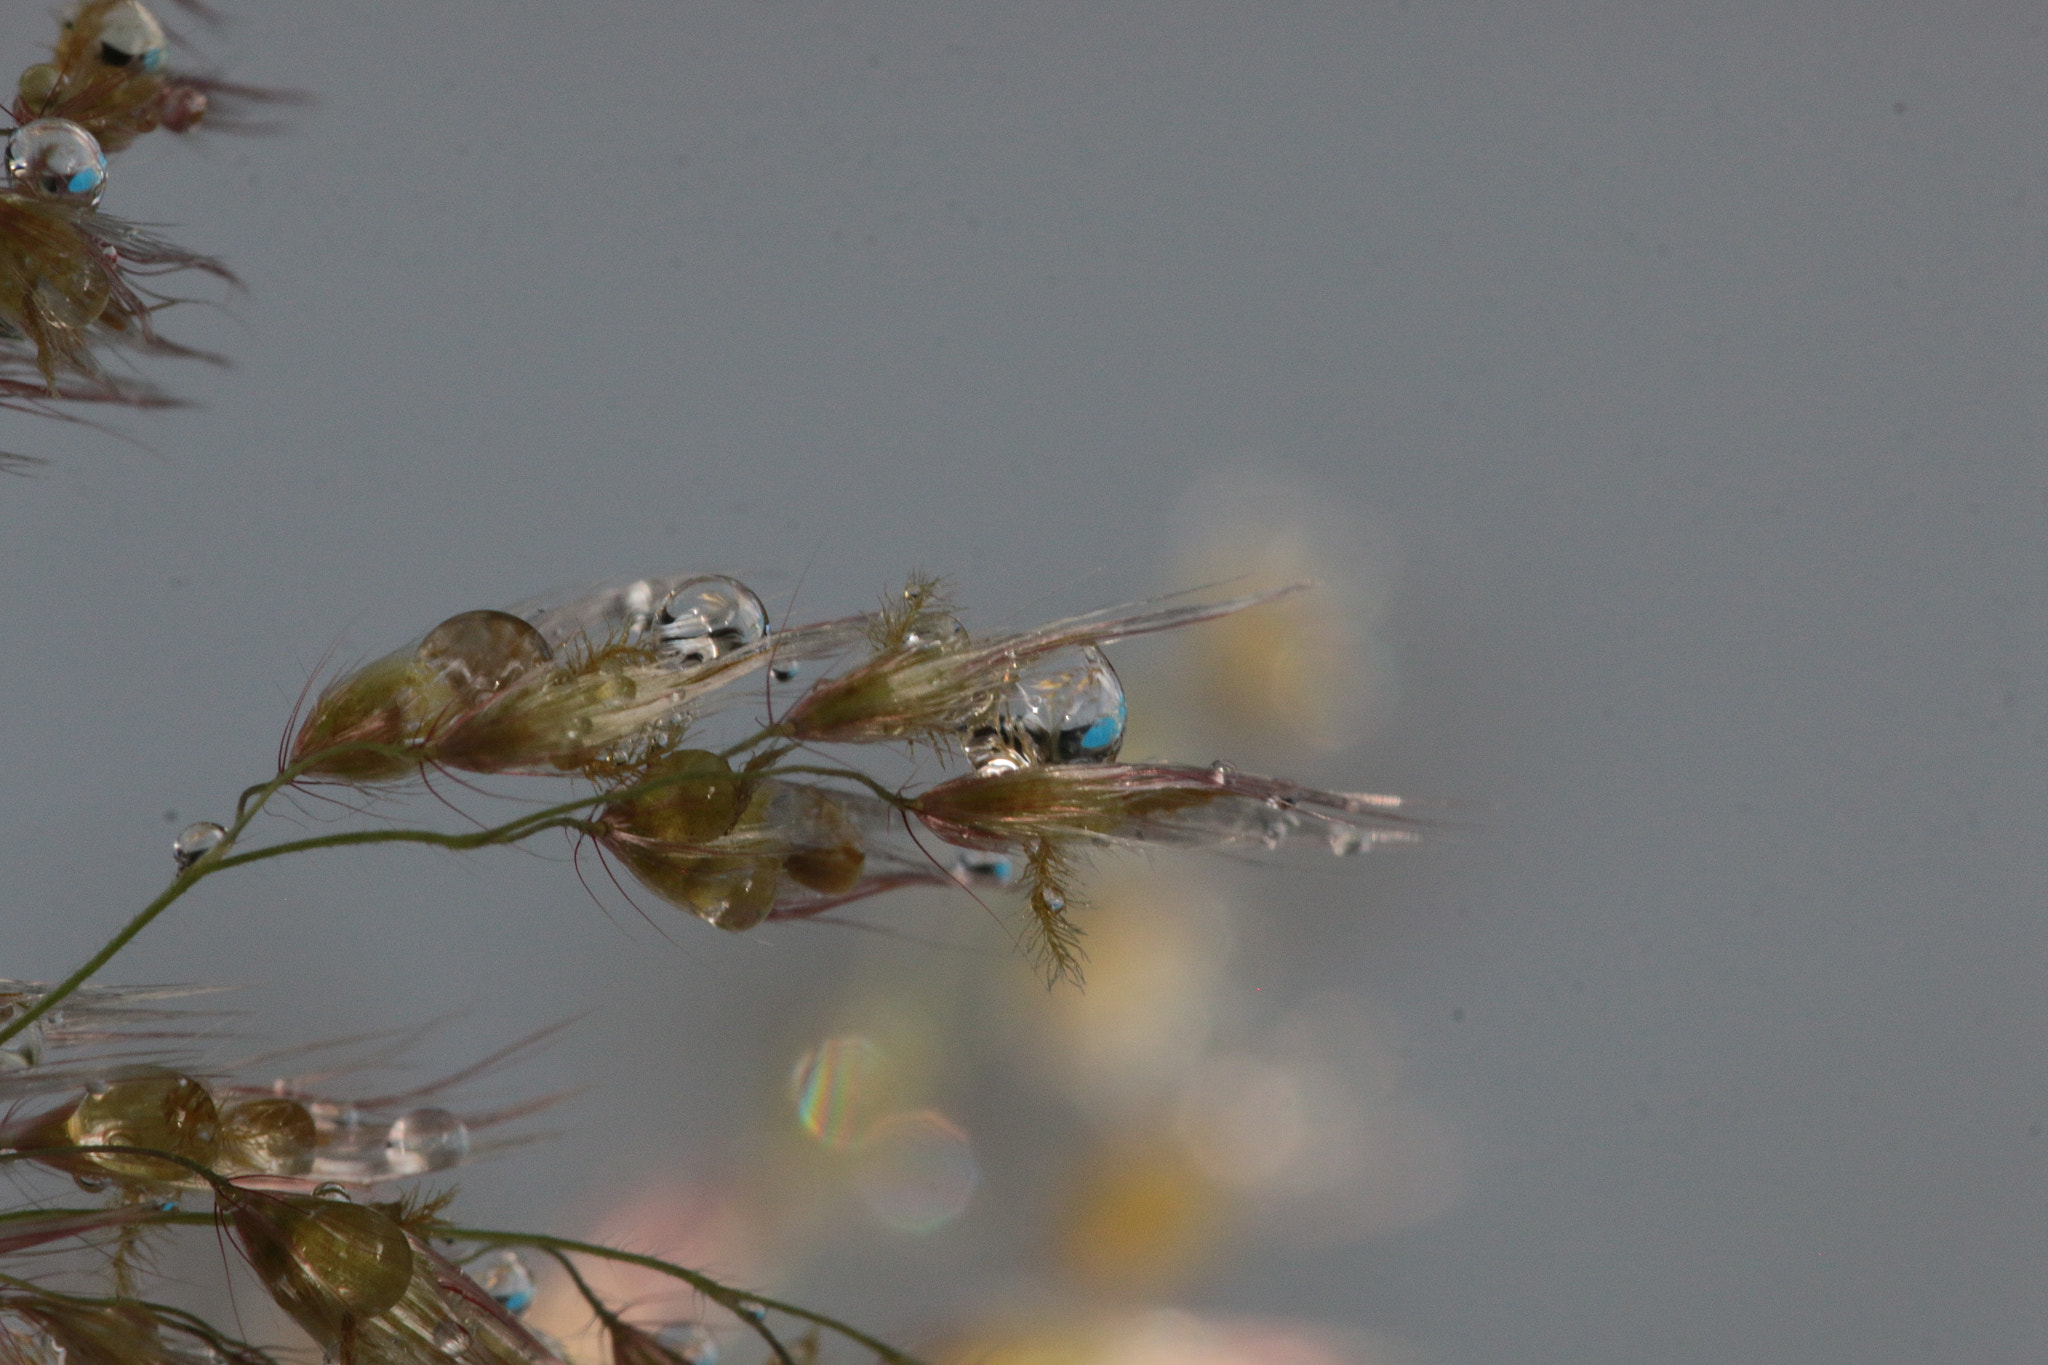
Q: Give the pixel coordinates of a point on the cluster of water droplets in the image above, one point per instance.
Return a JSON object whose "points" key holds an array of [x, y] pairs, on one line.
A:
{"points": [[1063, 707], [54, 158]]}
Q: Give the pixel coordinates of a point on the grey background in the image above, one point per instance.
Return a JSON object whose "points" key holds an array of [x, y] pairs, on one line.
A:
{"points": [[1691, 360]]}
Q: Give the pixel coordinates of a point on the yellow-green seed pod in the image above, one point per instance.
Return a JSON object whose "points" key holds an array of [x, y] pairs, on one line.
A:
{"points": [[270, 1134], [330, 1264], [166, 1112], [369, 706]]}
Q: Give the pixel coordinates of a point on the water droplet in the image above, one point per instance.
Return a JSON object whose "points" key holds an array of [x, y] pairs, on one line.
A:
{"points": [[504, 1276], [450, 1337], [335, 1191], [162, 1111], [1220, 772], [784, 672], [690, 1343], [1345, 841], [130, 36], [752, 1311], [918, 1171], [271, 1134], [476, 654], [195, 841], [24, 1049], [426, 1140], [707, 617], [57, 159], [1064, 707], [91, 1184], [839, 1088]]}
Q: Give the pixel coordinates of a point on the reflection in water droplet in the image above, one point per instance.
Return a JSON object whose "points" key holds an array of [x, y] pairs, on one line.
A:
{"points": [[54, 158], [1221, 772], [195, 841], [839, 1088], [1064, 707], [504, 1276], [918, 1171], [785, 672], [91, 1184], [689, 1342], [335, 1191], [996, 870], [426, 1140], [707, 617]]}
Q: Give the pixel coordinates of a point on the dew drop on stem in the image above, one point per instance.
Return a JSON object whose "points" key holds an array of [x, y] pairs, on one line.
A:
{"points": [[195, 841]]}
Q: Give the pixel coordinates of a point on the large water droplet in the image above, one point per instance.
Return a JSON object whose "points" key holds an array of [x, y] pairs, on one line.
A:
{"points": [[271, 1134], [56, 159], [426, 1140], [478, 653], [131, 37], [164, 1111], [504, 1276], [195, 841], [708, 617], [688, 1342], [1064, 707]]}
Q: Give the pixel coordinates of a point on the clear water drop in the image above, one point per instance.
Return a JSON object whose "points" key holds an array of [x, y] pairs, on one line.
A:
{"points": [[707, 617], [130, 36], [784, 672], [1220, 772], [752, 1311], [195, 841], [451, 1337], [424, 1140], [333, 1190], [689, 1342], [90, 1183], [1064, 707], [504, 1276], [24, 1049], [54, 158]]}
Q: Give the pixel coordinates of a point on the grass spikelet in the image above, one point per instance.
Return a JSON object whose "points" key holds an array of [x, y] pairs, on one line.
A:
{"points": [[1056, 947]]}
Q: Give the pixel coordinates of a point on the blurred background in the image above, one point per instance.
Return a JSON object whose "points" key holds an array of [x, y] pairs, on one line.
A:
{"points": [[1656, 398]]}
